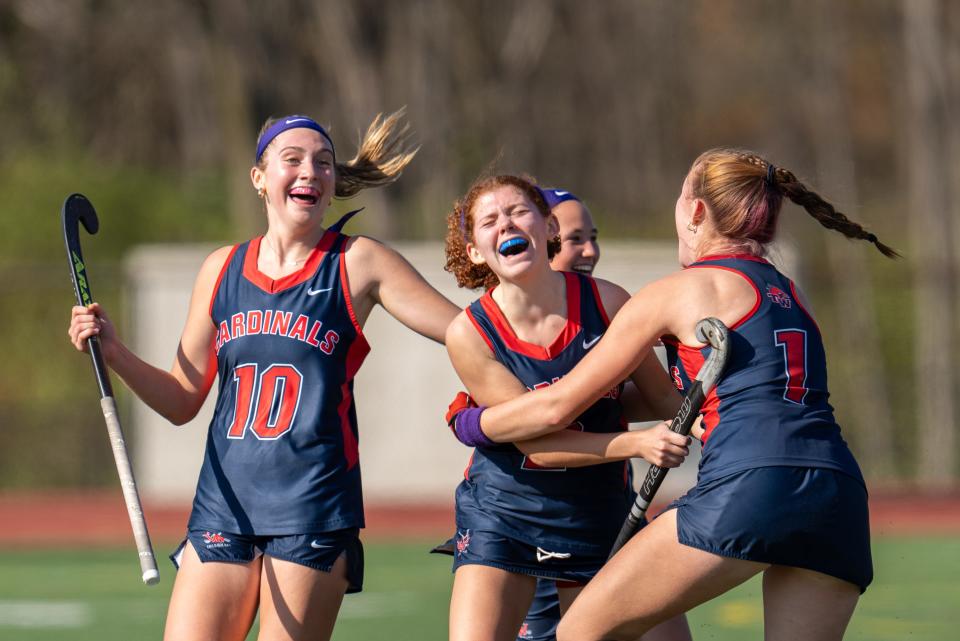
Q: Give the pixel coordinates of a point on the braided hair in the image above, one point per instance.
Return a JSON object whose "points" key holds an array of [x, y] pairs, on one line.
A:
{"points": [[745, 193]]}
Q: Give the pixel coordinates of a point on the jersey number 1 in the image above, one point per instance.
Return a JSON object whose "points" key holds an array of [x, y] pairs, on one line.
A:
{"points": [[794, 344], [274, 397]]}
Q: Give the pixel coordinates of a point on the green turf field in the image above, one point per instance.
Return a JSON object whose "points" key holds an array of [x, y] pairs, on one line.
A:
{"points": [[84, 595]]}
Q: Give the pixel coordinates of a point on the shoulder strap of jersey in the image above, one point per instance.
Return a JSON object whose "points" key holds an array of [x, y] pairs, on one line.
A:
{"points": [[236, 254], [338, 226], [482, 322], [590, 296]]}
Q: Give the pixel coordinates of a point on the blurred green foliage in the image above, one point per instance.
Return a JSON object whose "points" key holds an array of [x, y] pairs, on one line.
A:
{"points": [[51, 421]]}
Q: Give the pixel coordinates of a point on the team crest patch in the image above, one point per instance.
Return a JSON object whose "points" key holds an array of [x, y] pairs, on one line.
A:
{"points": [[463, 542], [779, 296], [217, 540]]}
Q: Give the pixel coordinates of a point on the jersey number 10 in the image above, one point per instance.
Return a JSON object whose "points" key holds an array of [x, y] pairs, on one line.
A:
{"points": [[273, 397]]}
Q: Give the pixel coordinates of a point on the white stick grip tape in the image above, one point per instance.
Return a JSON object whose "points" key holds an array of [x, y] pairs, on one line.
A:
{"points": [[148, 563]]}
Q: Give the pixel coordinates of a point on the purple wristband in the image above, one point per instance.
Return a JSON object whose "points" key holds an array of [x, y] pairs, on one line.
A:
{"points": [[467, 428]]}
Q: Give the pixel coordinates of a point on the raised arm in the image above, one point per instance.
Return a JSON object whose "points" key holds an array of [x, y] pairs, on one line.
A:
{"points": [[378, 274], [177, 394], [626, 343]]}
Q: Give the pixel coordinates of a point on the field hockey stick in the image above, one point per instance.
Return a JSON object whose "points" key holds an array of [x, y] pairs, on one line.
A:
{"points": [[713, 332], [77, 209]]}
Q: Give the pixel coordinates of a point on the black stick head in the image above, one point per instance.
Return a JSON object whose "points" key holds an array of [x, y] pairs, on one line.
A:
{"points": [[77, 208]]}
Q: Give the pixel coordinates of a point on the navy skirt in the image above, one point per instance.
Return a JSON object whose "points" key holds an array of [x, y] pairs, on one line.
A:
{"points": [[810, 518]]}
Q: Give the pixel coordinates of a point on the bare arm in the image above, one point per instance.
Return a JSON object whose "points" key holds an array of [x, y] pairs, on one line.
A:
{"points": [[177, 394], [671, 305], [653, 395], [626, 343], [378, 274], [489, 382]]}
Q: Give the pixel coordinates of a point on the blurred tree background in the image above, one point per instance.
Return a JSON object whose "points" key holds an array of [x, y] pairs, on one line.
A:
{"points": [[152, 108]]}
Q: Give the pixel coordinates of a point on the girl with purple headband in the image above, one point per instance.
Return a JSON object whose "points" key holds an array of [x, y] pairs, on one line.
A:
{"points": [[547, 508], [280, 318], [579, 251]]}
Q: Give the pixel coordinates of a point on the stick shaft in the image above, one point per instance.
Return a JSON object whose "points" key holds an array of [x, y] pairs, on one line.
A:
{"points": [[682, 423], [713, 332], [148, 562]]}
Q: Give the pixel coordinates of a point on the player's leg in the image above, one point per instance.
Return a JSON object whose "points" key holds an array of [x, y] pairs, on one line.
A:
{"points": [[674, 629], [488, 604], [652, 579], [303, 582], [299, 603], [212, 600], [804, 605]]}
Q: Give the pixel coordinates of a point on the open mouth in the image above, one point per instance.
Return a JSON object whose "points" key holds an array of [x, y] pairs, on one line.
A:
{"points": [[513, 246], [304, 195], [584, 268]]}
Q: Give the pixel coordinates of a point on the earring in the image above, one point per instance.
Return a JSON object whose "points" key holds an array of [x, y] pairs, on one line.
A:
{"points": [[692, 227], [260, 192]]}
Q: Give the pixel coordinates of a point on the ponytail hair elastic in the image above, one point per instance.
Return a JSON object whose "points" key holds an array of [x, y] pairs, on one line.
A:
{"points": [[771, 175]]}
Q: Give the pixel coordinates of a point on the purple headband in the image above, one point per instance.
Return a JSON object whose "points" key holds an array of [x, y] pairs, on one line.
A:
{"points": [[289, 122], [554, 197]]}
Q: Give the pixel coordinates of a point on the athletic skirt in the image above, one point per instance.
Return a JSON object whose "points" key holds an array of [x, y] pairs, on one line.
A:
{"points": [[812, 518]]}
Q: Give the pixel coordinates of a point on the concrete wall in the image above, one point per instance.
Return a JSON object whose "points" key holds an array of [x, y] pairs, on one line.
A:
{"points": [[402, 390]]}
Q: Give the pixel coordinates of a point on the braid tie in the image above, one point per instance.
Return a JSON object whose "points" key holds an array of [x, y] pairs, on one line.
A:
{"points": [[771, 178]]}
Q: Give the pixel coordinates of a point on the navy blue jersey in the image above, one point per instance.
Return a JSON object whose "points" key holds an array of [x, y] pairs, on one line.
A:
{"points": [[578, 508], [771, 406], [281, 453]]}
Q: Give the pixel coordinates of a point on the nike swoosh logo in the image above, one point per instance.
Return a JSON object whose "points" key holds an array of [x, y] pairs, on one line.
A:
{"points": [[319, 546], [588, 344], [560, 193], [314, 292], [290, 121]]}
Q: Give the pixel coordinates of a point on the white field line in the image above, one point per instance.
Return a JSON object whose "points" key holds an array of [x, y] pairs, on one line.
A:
{"points": [[45, 614]]}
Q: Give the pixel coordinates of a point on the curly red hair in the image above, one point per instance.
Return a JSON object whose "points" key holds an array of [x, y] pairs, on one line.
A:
{"points": [[460, 229]]}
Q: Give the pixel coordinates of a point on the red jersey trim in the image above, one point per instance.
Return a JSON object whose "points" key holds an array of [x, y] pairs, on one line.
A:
{"points": [[345, 284], [749, 280], [476, 325], [216, 286], [305, 273], [355, 355], [599, 300], [692, 360], [514, 343], [756, 259]]}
